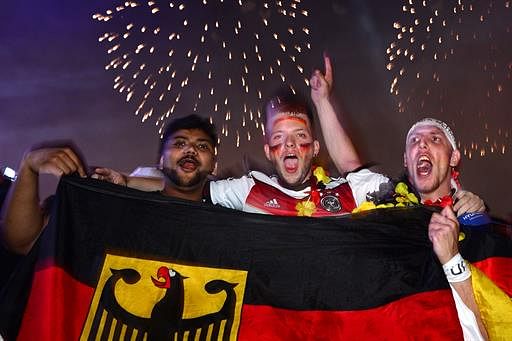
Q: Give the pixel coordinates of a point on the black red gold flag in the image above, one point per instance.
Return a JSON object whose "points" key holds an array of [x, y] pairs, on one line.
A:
{"points": [[116, 263]]}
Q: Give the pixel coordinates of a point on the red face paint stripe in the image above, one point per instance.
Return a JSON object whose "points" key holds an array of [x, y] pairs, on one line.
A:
{"points": [[291, 118], [275, 148], [305, 147]]}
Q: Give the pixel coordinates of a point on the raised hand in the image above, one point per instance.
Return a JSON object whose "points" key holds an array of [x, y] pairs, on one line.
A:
{"points": [[57, 161], [23, 218], [443, 232], [321, 83]]}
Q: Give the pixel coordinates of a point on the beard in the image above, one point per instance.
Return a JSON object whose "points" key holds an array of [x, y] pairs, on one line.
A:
{"points": [[172, 176]]}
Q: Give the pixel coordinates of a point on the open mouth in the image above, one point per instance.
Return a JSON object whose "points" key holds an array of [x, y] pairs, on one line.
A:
{"points": [[291, 163], [424, 166], [188, 163]]}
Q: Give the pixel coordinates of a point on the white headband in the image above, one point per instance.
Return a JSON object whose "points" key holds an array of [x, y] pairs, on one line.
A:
{"points": [[436, 123]]}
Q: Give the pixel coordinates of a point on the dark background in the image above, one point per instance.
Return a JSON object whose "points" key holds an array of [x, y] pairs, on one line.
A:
{"points": [[54, 84]]}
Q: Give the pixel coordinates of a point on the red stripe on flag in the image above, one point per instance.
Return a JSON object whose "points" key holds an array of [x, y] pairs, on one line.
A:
{"points": [[499, 270], [425, 316], [55, 296], [57, 306]]}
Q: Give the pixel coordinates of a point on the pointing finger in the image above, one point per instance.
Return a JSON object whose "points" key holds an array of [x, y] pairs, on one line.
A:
{"points": [[328, 68]]}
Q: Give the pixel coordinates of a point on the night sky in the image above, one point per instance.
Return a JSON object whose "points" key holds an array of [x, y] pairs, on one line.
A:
{"points": [[54, 85]]}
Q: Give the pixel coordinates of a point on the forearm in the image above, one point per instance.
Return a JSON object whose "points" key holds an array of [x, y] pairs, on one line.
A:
{"points": [[458, 274], [339, 145], [22, 217], [146, 184], [464, 290]]}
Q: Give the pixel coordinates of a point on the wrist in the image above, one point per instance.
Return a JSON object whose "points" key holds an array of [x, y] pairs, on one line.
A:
{"points": [[456, 269], [321, 100], [26, 168]]}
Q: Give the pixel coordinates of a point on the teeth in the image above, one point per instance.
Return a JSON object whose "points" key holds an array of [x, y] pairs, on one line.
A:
{"points": [[424, 158]]}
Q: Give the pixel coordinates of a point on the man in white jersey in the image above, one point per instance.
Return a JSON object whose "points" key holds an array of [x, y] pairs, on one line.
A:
{"points": [[290, 146]]}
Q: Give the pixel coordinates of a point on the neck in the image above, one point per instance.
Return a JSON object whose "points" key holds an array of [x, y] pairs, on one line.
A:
{"points": [[187, 193], [440, 192], [296, 187]]}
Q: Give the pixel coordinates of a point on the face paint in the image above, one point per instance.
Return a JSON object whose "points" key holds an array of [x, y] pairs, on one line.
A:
{"points": [[276, 149], [290, 148], [305, 147], [290, 118]]}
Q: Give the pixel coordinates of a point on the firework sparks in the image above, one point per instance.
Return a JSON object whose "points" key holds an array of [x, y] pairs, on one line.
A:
{"points": [[219, 58], [432, 74]]}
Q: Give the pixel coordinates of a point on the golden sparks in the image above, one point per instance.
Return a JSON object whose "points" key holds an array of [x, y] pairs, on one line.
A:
{"points": [[218, 58], [432, 77]]}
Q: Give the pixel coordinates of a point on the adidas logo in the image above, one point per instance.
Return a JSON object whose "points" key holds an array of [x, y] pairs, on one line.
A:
{"points": [[272, 203]]}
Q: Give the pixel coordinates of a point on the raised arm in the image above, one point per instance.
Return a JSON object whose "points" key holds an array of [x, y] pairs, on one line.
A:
{"points": [[147, 184], [443, 232], [339, 145], [23, 218]]}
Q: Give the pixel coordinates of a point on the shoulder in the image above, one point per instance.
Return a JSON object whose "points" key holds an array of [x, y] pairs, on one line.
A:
{"points": [[365, 175], [231, 192]]}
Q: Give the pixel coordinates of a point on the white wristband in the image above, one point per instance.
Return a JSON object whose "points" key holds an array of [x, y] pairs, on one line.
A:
{"points": [[456, 269]]}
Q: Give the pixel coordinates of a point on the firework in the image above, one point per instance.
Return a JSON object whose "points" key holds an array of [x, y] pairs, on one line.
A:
{"points": [[454, 59], [218, 58]]}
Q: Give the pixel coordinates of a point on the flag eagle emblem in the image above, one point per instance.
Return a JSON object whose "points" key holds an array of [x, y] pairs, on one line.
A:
{"points": [[145, 299]]}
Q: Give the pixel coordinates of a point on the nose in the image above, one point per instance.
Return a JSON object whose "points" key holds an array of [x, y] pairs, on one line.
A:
{"points": [[191, 149], [290, 141], [422, 143]]}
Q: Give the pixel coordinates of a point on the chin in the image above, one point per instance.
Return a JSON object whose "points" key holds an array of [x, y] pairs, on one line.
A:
{"points": [[425, 187]]}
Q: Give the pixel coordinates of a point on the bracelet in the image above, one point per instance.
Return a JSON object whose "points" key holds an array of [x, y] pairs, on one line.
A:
{"points": [[456, 269]]}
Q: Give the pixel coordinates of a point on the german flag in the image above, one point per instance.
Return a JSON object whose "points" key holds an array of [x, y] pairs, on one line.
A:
{"points": [[488, 247], [116, 263]]}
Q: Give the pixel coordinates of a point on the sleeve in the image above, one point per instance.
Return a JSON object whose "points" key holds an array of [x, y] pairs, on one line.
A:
{"points": [[363, 182], [467, 319], [231, 193]]}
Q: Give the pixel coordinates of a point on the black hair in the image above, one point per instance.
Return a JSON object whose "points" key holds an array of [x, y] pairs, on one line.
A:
{"points": [[188, 122]]}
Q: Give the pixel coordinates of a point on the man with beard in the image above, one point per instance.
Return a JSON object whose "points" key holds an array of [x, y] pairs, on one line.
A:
{"points": [[187, 157]]}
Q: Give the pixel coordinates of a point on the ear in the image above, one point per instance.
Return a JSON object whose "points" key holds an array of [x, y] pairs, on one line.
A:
{"points": [[266, 148], [213, 171], [455, 158], [316, 147], [405, 161]]}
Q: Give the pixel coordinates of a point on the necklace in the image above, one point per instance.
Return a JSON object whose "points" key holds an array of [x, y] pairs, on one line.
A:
{"points": [[307, 207]]}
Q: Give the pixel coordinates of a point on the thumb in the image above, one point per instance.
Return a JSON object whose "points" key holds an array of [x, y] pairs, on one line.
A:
{"points": [[447, 212]]}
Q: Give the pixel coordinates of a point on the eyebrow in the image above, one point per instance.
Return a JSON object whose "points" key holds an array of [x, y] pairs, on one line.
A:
{"points": [[186, 138]]}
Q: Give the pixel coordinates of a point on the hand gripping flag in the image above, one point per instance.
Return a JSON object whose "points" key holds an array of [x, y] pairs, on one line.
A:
{"points": [[115, 263]]}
